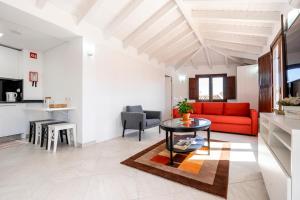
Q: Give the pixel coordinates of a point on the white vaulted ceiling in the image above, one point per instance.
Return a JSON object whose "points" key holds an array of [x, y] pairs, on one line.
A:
{"points": [[179, 32]]}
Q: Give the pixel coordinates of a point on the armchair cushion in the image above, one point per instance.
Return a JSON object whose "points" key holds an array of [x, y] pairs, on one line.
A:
{"points": [[137, 108], [153, 114], [152, 122]]}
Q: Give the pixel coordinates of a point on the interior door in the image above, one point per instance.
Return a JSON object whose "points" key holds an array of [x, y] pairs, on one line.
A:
{"points": [[265, 83]]}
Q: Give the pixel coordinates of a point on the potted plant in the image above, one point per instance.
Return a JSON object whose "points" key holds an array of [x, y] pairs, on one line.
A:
{"points": [[291, 107], [184, 108]]}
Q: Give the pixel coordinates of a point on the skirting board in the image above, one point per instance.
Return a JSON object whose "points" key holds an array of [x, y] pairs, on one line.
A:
{"points": [[82, 145], [10, 138]]}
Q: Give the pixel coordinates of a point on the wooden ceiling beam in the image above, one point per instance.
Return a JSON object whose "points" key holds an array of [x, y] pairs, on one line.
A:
{"points": [[173, 51], [83, 9], [41, 3], [238, 54], [190, 21], [161, 34], [266, 16], [235, 29], [255, 5], [122, 15], [184, 60], [236, 38], [183, 52], [225, 55], [235, 46], [170, 5], [177, 45], [171, 40]]}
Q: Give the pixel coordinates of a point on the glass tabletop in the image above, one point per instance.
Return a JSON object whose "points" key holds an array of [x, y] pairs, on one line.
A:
{"points": [[193, 123]]}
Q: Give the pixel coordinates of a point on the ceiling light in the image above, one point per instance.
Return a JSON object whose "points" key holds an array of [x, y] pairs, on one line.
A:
{"points": [[1, 34]]}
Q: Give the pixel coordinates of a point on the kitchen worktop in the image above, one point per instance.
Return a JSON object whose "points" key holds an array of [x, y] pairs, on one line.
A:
{"points": [[23, 101]]}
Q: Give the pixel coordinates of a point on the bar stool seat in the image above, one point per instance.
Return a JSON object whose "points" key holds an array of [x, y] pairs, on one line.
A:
{"points": [[53, 131]]}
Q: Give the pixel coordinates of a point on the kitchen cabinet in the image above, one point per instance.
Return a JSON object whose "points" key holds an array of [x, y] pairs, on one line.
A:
{"points": [[13, 119], [10, 63]]}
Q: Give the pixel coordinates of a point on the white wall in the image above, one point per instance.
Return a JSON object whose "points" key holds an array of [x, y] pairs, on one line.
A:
{"points": [[181, 89], [27, 65], [247, 85], [112, 79], [63, 78], [101, 85]]}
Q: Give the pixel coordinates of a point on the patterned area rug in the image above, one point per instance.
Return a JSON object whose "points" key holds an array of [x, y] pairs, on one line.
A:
{"points": [[197, 169]]}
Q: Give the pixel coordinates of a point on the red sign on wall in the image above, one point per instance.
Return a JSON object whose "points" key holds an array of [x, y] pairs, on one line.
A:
{"points": [[33, 55]]}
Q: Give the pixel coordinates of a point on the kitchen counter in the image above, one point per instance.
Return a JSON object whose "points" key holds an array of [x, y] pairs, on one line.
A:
{"points": [[23, 101]]}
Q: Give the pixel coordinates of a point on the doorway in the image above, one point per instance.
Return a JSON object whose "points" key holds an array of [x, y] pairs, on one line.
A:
{"points": [[168, 98]]}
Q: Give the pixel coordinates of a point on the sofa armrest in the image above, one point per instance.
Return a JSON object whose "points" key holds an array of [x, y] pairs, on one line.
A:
{"points": [[176, 113], [254, 121], [152, 114], [133, 120]]}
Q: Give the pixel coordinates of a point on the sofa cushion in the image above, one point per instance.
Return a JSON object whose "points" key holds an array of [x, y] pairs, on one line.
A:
{"points": [[134, 109], [237, 109], [226, 119], [212, 108], [176, 113], [197, 108]]}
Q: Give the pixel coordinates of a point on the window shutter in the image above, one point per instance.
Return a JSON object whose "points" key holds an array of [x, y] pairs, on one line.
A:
{"points": [[192, 88], [231, 87]]}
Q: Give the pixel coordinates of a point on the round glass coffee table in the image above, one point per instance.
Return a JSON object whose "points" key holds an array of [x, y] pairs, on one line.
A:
{"points": [[177, 125]]}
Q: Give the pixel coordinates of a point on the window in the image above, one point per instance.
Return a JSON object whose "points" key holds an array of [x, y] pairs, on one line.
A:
{"points": [[211, 87], [203, 85]]}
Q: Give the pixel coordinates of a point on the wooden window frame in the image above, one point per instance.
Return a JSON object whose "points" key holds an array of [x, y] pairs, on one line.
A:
{"points": [[211, 76]]}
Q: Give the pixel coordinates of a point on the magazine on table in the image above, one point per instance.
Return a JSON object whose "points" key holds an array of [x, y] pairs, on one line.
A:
{"points": [[184, 144]]}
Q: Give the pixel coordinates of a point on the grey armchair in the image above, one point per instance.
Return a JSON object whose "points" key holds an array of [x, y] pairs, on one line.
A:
{"points": [[136, 118]]}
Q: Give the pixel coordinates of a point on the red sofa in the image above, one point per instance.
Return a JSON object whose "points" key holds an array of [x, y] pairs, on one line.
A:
{"points": [[226, 117]]}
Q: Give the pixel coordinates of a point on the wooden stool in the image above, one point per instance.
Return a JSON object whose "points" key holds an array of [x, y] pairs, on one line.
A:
{"points": [[38, 130], [32, 129], [54, 130], [44, 133]]}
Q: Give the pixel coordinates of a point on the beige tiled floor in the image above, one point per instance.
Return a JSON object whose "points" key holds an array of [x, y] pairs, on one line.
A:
{"points": [[28, 172]]}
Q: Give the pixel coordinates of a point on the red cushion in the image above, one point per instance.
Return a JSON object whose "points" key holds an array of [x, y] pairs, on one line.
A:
{"points": [[176, 113], [227, 119], [232, 128], [237, 109], [212, 108], [197, 108]]}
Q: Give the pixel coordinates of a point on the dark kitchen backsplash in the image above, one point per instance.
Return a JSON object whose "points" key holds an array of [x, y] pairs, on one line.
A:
{"points": [[11, 85]]}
